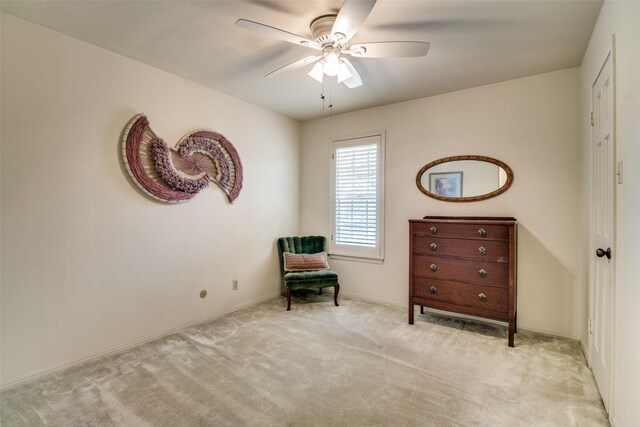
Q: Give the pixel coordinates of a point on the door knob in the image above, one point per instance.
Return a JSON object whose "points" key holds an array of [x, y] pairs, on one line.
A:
{"points": [[601, 252]]}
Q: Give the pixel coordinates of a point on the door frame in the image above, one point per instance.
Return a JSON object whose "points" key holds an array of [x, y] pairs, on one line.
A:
{"points": [[609, 52]]}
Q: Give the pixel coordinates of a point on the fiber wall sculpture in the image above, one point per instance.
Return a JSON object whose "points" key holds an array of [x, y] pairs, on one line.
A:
{"points": [[177, 174]]}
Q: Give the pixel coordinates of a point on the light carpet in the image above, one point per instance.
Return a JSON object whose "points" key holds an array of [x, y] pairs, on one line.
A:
{"points": [[359, 364]]}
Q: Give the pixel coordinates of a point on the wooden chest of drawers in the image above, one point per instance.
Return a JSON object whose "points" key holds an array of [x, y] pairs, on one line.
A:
{"points": [[464, 265]]}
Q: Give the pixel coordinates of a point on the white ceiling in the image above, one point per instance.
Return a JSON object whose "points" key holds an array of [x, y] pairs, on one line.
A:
{"points": [[472, 43]]}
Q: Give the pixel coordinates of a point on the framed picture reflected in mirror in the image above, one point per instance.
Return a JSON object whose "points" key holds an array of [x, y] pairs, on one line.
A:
{"points": [[447, 184]]}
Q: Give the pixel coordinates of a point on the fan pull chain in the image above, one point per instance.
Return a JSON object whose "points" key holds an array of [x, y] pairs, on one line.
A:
{"points": [[330, 98], [322, 97]]}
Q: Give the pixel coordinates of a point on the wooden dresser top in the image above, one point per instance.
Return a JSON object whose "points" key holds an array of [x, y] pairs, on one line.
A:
{"points": [[468, 219]]}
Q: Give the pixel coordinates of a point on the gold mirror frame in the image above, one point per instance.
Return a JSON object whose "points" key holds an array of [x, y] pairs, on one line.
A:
{"points": [[495, 193]]}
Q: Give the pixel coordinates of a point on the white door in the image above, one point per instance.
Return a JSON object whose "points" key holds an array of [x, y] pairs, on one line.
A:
{"points": [[600, 318]]}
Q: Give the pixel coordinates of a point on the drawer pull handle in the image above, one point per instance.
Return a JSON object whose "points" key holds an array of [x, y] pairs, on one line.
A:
{"points": [[482, 232], [434, 229], [434, 267], [482, 250], [482, 297], [433, 290], [482, 272], [433, 246]]}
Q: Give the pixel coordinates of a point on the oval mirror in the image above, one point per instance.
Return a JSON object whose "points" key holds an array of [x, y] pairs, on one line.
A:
{"points": [[464, 178]]}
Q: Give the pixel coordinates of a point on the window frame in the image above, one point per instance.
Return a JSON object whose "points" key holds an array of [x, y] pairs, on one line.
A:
{"points": [[350, 252]]}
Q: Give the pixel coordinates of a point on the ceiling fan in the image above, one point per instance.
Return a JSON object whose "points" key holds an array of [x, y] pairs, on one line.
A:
{"points": [[331, 34]]}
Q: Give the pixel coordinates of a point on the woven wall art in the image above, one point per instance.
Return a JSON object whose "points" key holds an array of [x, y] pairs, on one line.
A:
{"points": [[177, 174]]}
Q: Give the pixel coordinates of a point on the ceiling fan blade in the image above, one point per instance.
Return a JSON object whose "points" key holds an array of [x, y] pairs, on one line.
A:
{"points": [[295, 64], [351, 16], [354, 80], [276, 33], [389, 49]]}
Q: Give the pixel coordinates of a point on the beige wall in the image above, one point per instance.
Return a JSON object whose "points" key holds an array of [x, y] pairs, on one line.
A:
{"points": [[532, 124], [88, 264], [621, 18]]}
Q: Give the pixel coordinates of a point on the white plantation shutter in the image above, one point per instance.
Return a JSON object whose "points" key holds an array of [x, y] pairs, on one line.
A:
{"points": [[356, 179], [357, 197]]}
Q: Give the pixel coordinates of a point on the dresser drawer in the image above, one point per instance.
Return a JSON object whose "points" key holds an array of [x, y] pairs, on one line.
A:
{"points": [[490, 250], [462, 294], [470, 271], [462, 231]]}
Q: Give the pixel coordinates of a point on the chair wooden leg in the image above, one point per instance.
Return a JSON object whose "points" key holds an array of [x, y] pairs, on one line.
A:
{"points": [[335, 293], [288, 299], [319, 291]]}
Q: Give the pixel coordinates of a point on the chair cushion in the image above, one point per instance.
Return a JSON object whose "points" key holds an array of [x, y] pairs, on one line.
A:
{"points": [[305, 262], [311, 279]]}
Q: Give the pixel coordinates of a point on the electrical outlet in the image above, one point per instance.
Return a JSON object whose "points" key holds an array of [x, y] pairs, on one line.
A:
{"points": [[235, 285]]}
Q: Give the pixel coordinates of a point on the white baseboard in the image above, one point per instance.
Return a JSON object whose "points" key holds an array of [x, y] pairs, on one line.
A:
{"points": [[65, 365], [550, 333], [462, 316], [585, 353], [368, 299]]}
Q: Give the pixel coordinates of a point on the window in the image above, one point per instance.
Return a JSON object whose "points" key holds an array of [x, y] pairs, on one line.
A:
{"points": [[357, 196]]}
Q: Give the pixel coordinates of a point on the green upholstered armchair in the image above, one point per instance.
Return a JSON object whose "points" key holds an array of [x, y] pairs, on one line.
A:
{"points": [[306, 279]]}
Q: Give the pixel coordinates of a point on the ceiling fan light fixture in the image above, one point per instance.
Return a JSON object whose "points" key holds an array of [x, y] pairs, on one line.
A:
{"points": [[332, 64], [316, 72], [344, 72]]}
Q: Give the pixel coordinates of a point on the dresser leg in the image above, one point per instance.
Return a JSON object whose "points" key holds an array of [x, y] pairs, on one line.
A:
{"points": [[421, 309], [512, 328], [411, 313]]}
